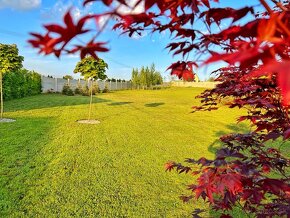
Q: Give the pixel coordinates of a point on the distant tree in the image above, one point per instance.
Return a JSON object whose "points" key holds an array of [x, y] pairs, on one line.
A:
{"points": [[146, 77], [93, 69], [143, 77], [135, 78], [211, 79], [68, 77], [150, 75], [9, 61], [157, 78]]}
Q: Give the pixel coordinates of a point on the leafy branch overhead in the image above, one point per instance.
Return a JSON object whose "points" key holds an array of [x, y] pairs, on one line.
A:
{"points": [[262, 40], [254, 42]]}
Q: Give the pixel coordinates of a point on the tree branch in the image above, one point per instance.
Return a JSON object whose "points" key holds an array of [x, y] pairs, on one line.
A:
{"points": [[279, 22], [279, 5], [266, 6]]}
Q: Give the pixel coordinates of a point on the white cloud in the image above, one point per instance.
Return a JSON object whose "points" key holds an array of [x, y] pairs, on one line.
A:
{"points": [[131, 9], [20, 4], [103, 20], [73, 56], [61, 7], [76, 13], [137, 36]]}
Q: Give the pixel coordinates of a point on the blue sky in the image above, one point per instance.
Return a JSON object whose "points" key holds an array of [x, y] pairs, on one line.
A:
{"points": [[19, 17]]}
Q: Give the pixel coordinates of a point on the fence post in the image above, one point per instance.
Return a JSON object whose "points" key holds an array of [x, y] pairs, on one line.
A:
{"points": [[55, 85], [42, 83], [116, 85]]}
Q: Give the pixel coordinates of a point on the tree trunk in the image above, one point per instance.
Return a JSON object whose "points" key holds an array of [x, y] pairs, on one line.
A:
{"points": [[91, 101], [1, 98]]}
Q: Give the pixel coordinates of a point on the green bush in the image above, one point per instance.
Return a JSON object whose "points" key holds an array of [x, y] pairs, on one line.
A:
{"points": [[78, 89], [96, 88], [85, 91], [66, 90], [106, 89], [20, 84]]}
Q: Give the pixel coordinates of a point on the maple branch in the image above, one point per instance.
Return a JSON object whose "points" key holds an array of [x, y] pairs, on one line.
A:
{"points": [[266, 6], [287, 31], [279, 5], [269, 10]]}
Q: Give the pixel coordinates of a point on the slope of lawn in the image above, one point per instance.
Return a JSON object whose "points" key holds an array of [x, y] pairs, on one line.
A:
{"points": [[51, 166]]}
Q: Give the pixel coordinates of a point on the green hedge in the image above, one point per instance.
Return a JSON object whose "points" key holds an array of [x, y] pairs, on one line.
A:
{"points": [[20, 84]]}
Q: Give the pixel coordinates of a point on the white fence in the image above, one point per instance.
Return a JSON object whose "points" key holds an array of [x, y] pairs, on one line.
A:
{"points": [[56, 84], [208, 85]]}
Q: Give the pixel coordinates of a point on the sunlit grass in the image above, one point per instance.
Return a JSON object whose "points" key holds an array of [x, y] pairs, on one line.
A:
{"points": [[52, 166]]}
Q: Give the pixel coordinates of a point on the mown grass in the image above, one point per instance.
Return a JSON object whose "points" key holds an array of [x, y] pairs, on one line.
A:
{"points": [[51, 166]]}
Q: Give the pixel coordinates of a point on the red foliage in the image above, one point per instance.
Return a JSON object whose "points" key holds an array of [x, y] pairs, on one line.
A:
{"points": [[257, 79]]}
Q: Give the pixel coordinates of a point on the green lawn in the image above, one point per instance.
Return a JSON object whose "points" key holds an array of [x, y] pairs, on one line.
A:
{"points": [[51, 166]]}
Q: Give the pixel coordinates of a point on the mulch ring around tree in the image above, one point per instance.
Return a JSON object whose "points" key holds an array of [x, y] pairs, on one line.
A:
{"points": [[6, 120], [88, 121]]}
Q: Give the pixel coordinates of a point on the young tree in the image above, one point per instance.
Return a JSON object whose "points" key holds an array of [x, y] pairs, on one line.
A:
{"points": [[147, 77], [92, 69], [68, 77], [143, 77], [135, 78], [157, 79], [255, 42], [9, 61]]}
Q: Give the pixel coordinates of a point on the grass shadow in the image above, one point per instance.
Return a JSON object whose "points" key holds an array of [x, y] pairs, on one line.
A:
{"points": [[49, 101], [154, 104], [231, 128], [19, 160], [120, 103]]}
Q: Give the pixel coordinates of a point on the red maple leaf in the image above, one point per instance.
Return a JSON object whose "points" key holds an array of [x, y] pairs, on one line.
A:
{"points": [[90, 49]]}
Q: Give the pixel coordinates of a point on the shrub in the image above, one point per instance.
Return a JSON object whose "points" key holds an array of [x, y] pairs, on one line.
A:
{"points": [[85, 91], [50, 91], [78, 89], [95, 88], [106, 89], [20, 84], [66, 90]]}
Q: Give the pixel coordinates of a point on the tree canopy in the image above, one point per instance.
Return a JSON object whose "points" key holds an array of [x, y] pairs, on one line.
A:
{"points": [[68, 77], [10, 60], [89, 67], [146, 77]]}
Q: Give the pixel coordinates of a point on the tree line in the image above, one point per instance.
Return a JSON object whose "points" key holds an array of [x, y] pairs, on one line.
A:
{"points": [[15, 81], [146, 77]]}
